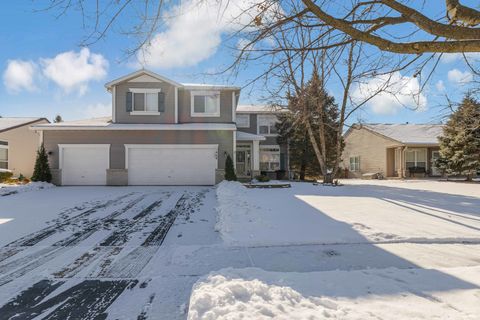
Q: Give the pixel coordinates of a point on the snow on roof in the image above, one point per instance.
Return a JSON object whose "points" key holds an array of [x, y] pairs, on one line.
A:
{"points": [[244, 136], [8, 123], [259, 108], [208, 86], [409, 133]]}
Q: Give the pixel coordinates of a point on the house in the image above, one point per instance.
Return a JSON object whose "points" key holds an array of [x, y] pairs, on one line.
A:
{"points": [[19, 145], [161, 132], [257, 148], [395, 150]]}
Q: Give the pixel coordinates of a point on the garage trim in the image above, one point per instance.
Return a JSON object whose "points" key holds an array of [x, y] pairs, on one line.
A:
{"points": [[63, 146], [170, 146]]}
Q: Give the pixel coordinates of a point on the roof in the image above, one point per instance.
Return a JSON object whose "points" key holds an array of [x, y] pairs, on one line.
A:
{"points": [[245, 136], [106, 124], [152, 74], [413, 134], [15, 122], [260, 108]]}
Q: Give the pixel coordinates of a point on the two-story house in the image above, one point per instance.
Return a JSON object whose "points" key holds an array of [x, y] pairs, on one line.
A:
{"points": [[161, 133]]}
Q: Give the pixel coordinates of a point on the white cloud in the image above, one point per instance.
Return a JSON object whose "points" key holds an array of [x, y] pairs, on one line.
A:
{"points": [[459, 77], [452, 57], [395, 92], [440, 85], [98, 110], [74, 70], [19, 75], [194, 29]]}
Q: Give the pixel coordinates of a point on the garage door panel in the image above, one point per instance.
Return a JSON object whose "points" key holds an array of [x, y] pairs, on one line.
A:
{"points": [[171, 165], [84, 165]]}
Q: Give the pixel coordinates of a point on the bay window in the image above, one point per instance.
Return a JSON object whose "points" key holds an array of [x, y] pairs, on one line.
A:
{"points": [[269, 158], [205, 104]]}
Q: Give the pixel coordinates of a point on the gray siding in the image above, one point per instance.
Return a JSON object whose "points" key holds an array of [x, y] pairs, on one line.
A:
{"points": [[117, 139], [253, 125], [121, 114], [184, 108]]}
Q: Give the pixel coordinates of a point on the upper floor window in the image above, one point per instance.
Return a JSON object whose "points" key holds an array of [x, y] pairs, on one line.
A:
{"points": [[205, 104], [266, 124], [243, 120], [3, 155], [145, 101]]}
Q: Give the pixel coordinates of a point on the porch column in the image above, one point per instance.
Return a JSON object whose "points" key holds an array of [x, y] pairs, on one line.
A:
{"points": [[256, 156]]}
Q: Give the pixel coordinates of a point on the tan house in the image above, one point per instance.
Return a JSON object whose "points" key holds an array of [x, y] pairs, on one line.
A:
{"points": [[18, 144], [394, 150]]}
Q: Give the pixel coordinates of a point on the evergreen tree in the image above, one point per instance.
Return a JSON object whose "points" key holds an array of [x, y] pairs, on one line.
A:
{"points": [[229, 170], [460, 142], [41, 171], [58, 119]]}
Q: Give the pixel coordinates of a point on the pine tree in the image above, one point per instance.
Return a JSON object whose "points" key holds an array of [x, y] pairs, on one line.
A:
{"points": [[41, 171], [58, 119], [229, 170], [460, 142]]}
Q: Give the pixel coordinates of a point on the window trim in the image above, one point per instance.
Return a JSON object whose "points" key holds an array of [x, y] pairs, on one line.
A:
{"points": [[144, 91], [416, 151], [3, 146], [270, 146], [356, 164], [204, 93], [269, 134], [243, 115]]}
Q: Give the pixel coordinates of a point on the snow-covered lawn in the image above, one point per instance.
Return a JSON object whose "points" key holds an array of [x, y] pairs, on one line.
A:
{"points": [[366, 250]]}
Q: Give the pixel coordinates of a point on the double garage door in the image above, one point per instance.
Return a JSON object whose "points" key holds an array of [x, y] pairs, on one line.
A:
{"points": [[158, 164]]}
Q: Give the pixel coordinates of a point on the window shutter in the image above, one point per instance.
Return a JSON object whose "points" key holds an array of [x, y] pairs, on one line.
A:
{"points": [[129, 101], [161, 102]]}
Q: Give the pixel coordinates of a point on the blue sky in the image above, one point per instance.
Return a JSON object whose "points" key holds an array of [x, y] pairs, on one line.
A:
{"points": [[45, 72]]}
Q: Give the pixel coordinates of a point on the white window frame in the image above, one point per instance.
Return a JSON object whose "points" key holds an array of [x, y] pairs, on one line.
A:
{"points": [[248, 120], [8, 153], [144, 91], [356, 163], [204, 93], [269, 134], [416, 151], [274, 146]]}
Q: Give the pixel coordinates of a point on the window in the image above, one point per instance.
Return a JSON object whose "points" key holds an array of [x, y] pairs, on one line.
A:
{"points": [[205, 104], [416, 158], [3, 155], [355, 163], [243, 120], [145, 101], [269, 158], [266, 124]]}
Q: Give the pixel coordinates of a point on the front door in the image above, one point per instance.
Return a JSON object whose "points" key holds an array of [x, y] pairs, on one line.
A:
{"points": [[435, 156], [243, 160]]}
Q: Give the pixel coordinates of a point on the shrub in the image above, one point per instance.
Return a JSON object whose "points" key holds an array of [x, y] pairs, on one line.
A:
{"points": [[262, 178], [5, 175], [42, 169], [229, 170]]}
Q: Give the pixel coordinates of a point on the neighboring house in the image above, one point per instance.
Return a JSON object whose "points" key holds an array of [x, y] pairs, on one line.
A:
{"points": [[161, 133], [257, 148], [19, 145], [395, 150]]}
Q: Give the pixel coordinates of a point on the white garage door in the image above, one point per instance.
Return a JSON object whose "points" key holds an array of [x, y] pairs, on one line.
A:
{"points": [[84, 164], [171, 164]]}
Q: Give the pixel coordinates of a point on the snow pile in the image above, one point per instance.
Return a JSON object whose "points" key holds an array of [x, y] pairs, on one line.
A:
{"points": [[6, 190], [368, 294], [233, 208]]}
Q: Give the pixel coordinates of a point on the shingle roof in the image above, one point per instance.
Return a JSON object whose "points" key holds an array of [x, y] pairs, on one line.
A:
{"points": [[409, 133], [13, 122]]}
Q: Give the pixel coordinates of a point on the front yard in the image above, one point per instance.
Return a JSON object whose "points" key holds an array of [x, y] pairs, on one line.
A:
{"points": [[366, 250]]}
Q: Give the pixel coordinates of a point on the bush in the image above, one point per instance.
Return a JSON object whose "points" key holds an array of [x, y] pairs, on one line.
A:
{"points": [[42, 169], [262, 178], [229, 170], [5, 175]]}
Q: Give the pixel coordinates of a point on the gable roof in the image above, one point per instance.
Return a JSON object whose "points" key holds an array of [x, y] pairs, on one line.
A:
{"points": [[138, 73], [413, 134], [15, 122]]}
